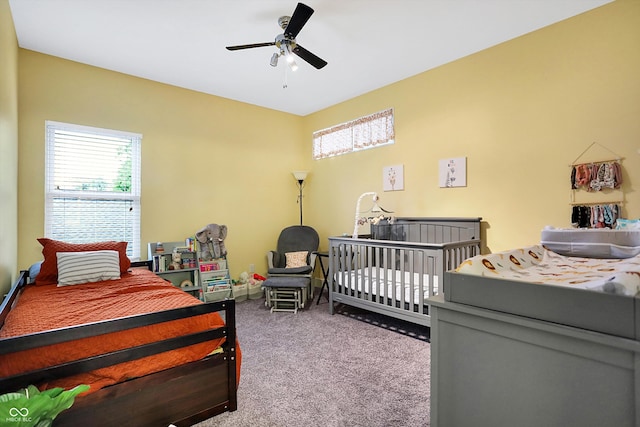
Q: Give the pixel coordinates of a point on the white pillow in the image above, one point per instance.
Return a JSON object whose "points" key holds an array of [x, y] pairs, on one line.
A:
{"points": [[84, 267]]}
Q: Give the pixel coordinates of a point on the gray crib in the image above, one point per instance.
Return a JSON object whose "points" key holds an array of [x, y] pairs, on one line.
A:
{"points": [[400, 265]]}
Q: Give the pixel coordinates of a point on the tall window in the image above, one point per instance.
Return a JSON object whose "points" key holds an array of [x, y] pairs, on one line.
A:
{"points": [[92, 185], [366, 132]]}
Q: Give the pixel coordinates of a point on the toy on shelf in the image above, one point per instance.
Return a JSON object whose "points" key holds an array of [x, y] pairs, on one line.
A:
{"points": [[176, 260]]}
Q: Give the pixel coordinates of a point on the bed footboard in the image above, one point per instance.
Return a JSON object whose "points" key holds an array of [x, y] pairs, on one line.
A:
{"points": [[182, 396]]}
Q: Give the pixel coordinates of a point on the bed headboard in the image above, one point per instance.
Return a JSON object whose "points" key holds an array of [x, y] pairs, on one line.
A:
{"points": [[427, 230]]}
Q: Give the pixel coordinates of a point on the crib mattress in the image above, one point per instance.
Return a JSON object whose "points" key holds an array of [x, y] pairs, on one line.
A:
{"points": [[541, 284], [383, 282]]}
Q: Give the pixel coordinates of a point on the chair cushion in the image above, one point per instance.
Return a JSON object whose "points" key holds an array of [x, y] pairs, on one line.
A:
{"points": [[286, 282], [298, 270]]}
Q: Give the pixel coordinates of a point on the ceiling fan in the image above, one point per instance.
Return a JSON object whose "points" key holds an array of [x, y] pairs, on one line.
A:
{"points": [[286, 42]]}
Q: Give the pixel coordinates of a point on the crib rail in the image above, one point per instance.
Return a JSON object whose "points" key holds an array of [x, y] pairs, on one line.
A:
{"points": [[432, 230], [395, 278]]}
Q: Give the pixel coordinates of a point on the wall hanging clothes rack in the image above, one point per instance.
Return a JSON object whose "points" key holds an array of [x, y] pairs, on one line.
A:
{"points": [[592, 177]]}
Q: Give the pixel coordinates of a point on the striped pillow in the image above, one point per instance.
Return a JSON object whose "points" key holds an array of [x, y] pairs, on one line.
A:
{"points": [[49, 269], [84, 267]]}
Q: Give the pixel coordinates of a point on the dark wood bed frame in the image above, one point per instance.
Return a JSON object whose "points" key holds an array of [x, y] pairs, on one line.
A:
{"points": [[183, 395]]}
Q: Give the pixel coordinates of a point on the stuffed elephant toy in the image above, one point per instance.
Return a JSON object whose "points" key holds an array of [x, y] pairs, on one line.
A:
{"points": [[211, 239]]}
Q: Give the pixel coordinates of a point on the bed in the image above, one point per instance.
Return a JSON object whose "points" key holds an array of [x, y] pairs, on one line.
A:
{"points": [[399, 267], [533, 337], [163, 358]]}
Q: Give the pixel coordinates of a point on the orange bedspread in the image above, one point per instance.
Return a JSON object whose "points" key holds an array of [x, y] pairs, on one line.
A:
{"points": [[42, 308]]}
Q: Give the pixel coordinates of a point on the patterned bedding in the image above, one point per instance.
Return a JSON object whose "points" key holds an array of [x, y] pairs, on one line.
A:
{"points": [[536, 264]]}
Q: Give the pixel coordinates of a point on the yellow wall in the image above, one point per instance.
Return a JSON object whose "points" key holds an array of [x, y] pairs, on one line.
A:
{"points": [[520, 112], [205, 159], [8, 149]]}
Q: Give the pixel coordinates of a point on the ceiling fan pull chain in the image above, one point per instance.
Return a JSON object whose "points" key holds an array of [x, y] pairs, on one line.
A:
{"points": [[284, 84]]}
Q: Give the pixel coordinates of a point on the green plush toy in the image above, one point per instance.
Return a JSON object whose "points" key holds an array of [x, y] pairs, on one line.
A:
{"points": [[30, 407]]}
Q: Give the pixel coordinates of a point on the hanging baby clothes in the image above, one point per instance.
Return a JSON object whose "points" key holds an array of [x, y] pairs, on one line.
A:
{"points": [[581, 217], [617, 174], [596, 176], [581, 176], [610, 215], [604, 177], [595, 216]]}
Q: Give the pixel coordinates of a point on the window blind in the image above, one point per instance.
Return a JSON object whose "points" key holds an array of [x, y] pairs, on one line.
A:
{"points": [[92, 185], [365, 132]]}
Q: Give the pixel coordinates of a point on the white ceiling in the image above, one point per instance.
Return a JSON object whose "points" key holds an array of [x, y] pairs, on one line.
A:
{"points": [[367, 43]]}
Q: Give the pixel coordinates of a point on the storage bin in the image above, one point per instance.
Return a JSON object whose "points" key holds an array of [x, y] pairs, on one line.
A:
{"points": [[240, 291], [255, 290], [217, 295]]}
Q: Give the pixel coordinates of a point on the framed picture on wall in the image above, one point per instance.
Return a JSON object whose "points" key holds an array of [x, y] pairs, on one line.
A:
{"points": [[393, 178], [453, 172]]}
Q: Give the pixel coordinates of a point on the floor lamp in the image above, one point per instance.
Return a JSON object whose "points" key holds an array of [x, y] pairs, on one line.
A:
{"points": [[300, 176]]}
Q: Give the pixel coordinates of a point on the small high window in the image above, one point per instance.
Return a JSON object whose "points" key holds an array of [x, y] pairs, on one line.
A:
{"points": [[366, 132]]}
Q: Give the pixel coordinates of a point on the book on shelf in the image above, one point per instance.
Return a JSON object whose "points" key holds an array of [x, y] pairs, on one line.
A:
{"points": [[221, 287], [190, 243], [159, 264], [216, 282]]}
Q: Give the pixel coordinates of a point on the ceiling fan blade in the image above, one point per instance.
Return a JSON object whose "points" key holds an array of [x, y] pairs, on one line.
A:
{"points": [[249, 46], [300, 17], [309, 57]]}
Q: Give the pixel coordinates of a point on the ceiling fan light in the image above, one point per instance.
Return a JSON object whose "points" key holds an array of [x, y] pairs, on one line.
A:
{"points": [[274, 60], [286, 51]]}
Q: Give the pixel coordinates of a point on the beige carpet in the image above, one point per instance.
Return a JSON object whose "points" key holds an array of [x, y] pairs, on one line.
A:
{"points": [[314, 369]]}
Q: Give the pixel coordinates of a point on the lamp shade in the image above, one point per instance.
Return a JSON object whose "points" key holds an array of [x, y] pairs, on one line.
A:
{"points": [[300, 175]]}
